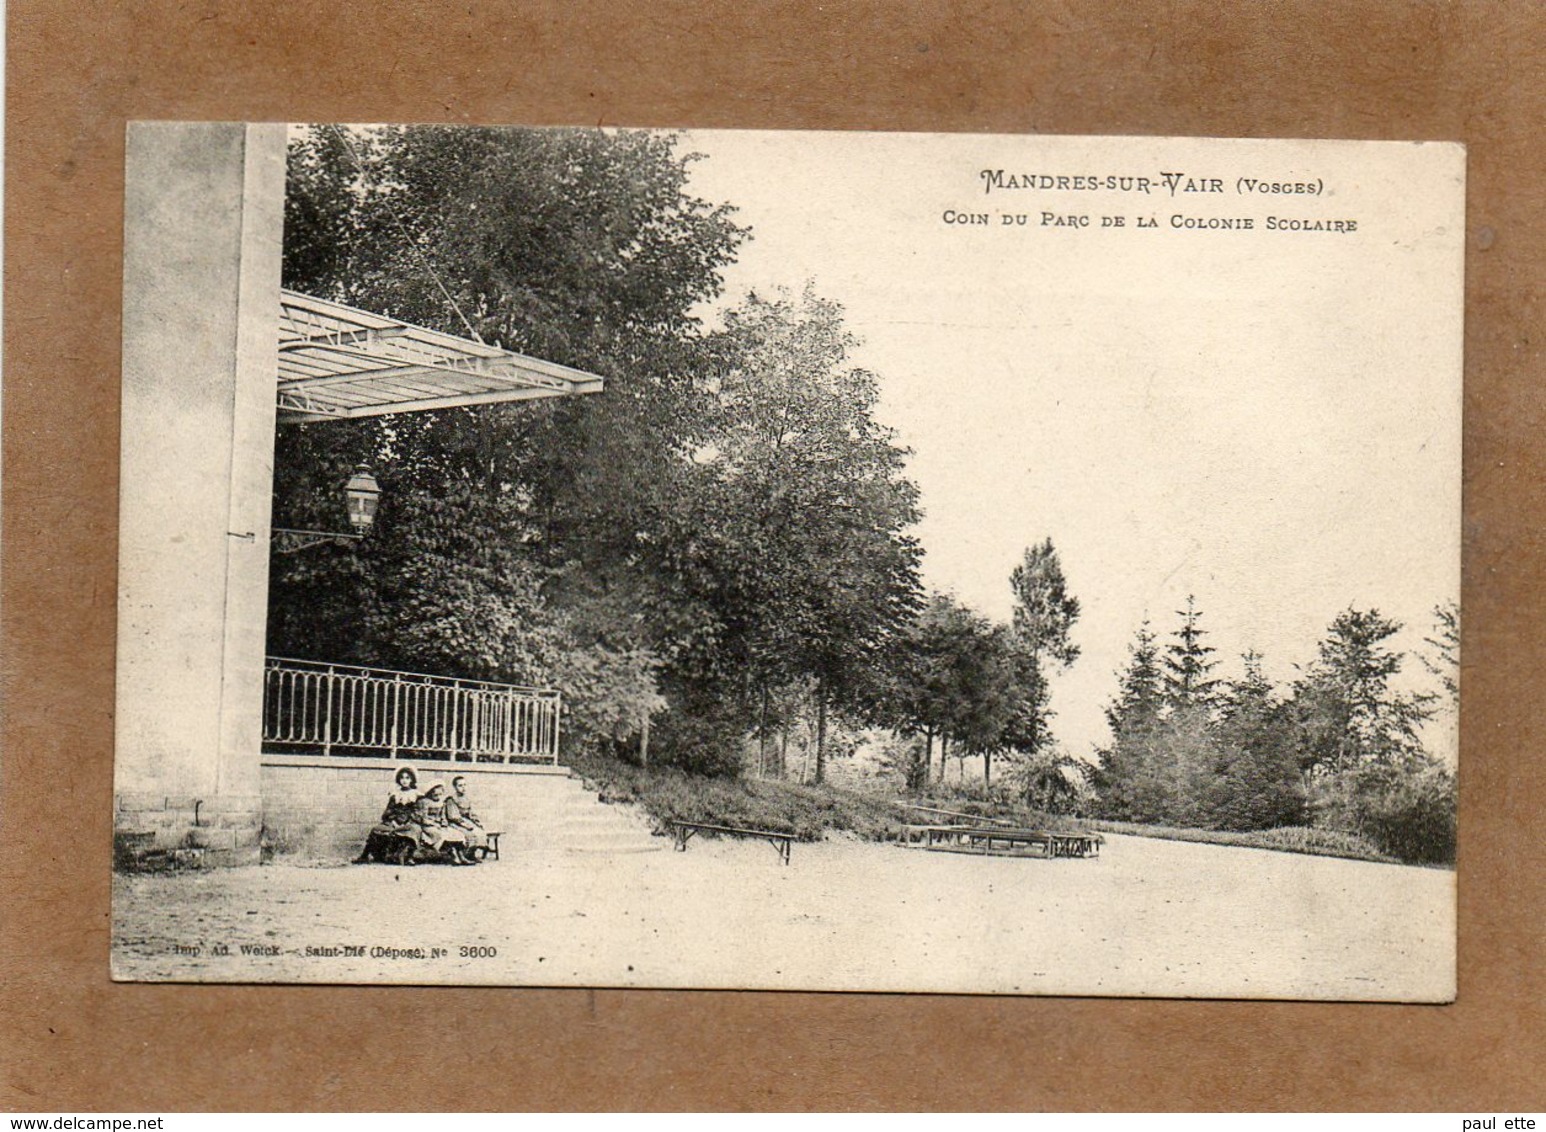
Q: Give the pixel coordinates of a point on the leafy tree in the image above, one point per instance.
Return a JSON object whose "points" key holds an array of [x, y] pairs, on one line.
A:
{"points": [[955, 684], [986, 689], [553, 242], [1044, 610], [1408, 810], [811, 507], [1442, 659], [902, 755], [1040, 630], [1027, 730], [503, 526]]}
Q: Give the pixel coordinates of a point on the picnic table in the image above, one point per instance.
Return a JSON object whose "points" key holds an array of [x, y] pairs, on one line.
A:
{"points": [[1005, 840]]}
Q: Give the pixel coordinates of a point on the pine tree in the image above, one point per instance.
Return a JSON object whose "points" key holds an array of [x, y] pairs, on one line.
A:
{"points": [[1140, 696], [1347, 713], [1187, 664], [1257, 783], [1131, 779], [1359, 739]]}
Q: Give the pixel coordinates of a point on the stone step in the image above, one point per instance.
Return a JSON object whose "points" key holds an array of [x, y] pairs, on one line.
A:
{"points": [[580, 821], [575, 821], [603, 822]]}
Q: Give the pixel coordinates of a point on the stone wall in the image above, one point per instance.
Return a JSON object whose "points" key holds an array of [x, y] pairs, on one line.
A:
{"points": [[169, 830], [322, 808]]}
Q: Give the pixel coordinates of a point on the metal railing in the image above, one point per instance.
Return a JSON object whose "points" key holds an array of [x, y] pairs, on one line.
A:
{"points": [[341, 709]]}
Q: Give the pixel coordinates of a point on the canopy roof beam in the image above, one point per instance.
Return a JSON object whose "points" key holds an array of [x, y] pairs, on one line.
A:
{"points": [[338, 362]]}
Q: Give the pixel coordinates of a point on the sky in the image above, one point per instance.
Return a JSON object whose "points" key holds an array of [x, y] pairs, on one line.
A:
{"points": [[1268, 420]]}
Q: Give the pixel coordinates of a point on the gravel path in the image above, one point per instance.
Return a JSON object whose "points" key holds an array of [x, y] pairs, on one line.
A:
{"points": [[1160, 918]]}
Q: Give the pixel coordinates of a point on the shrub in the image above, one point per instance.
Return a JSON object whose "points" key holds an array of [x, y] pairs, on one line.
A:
{"points": [[706, 742], [901, 762], [1308, 839], [1407, 809], [1413, 817], [972, 795], [1289, 839], [1254, 791]]}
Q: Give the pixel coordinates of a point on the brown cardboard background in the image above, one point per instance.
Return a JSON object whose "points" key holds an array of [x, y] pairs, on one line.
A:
{"points": [[71, 1040]]}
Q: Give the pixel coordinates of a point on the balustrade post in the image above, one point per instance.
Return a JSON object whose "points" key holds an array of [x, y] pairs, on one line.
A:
{"points": [[469, 733], [557, 715], [327, 712], [508, 705], [268, 697], [475, 729], [397, 707]]}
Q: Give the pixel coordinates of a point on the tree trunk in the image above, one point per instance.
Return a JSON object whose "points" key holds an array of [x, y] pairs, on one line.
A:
{"points": [[987, 768], [944, 755], [821, 735], [783, 753], [920, 775], [644, 741], [762, 736]]}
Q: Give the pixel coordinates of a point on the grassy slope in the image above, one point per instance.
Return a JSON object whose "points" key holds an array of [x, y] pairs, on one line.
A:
{"points": [[809, 812]]}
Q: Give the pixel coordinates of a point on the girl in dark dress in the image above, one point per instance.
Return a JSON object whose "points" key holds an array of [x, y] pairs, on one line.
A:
{"points": [[397, 836]]}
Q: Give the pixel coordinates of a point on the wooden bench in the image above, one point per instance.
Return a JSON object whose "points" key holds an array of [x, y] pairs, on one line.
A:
{"points": [[492, 848], [682, 832]]}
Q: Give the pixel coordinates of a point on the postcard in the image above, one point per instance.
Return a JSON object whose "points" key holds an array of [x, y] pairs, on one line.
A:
{"points": [[937, 563]]}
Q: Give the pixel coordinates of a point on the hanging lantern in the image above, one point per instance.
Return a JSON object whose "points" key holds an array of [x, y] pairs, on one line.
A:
{"points": [[363, 494]]}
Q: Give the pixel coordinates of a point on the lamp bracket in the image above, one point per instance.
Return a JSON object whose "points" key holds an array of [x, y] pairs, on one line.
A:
{"points": [[283, 540]]}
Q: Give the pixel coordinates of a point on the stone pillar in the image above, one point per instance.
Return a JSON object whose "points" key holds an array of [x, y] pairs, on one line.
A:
{"points": [[204, 211]]}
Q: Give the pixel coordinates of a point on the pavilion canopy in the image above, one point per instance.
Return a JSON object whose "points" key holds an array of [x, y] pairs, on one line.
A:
{"points": [[337, 362]]}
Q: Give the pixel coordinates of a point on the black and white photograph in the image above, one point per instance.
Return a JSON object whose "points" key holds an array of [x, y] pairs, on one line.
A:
{"points": [[830, 561]]}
